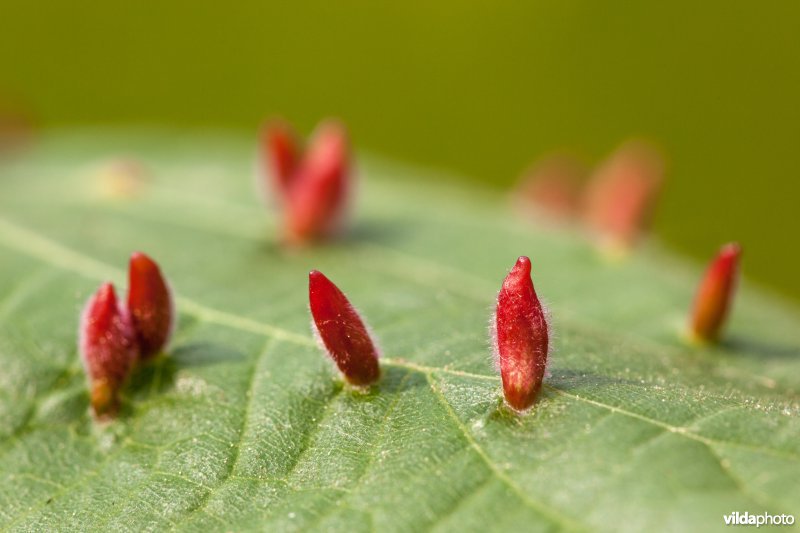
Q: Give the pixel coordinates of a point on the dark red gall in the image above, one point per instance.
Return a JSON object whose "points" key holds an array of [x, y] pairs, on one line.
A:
{"points": [[341, 331], [149, 304]]}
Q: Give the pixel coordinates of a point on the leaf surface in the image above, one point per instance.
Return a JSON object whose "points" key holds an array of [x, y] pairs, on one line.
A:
{"points": [[246, 425]]}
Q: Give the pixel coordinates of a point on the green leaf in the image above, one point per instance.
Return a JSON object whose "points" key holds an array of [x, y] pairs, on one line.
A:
{"points": [[246, 425]]}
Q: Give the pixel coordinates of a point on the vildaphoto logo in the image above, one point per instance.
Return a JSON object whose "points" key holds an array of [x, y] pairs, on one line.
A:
{"points": [[765, 519]]}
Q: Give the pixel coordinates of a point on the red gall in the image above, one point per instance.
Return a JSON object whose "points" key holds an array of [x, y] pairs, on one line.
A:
{"points": [[341, 331], [715, 294], [521, 337], [108, 348], [280, 155], [149, 304], [620, 197], [317, 195]]}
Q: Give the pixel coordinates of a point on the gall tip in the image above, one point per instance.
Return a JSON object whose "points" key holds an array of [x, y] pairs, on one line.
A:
{"points": [[731, 251], [319, 281], [106, 293], [520, 273], [332, 130], [141, 262], [524, 262], [99, 309]]}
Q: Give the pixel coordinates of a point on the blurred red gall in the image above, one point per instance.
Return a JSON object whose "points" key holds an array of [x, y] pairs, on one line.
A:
{"points": [[619, 199], [312, 185], [149, 304], [280, 154], [108, 348], [715, 294], [318, 194]]}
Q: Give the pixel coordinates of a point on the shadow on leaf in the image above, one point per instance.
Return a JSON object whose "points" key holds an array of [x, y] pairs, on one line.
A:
{"points": [[749, 347], [374, 231], [204, 354], [573, 381], [158, 376]]}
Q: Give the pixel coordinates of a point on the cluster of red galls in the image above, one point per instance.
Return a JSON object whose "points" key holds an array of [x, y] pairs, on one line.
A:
{"points": [[312, 188], [114, 337]]}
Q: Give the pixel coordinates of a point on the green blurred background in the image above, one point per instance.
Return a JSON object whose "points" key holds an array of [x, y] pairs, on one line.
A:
{"points": [[481, 88]]}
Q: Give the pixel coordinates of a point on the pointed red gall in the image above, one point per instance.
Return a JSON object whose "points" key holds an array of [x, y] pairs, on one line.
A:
{"points": [[108, 349], [620, 197], [280, 155], [715, 295], [149, 304], [341, 331], [318, 193], [521, 337]]}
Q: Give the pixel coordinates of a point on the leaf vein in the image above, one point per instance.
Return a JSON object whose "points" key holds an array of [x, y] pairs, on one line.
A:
{"points": [[537, 506]]}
